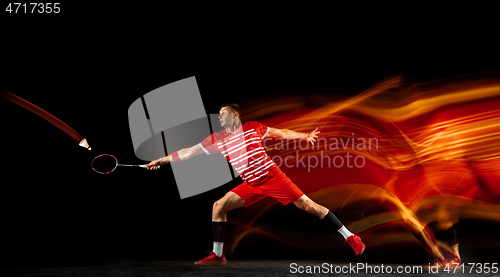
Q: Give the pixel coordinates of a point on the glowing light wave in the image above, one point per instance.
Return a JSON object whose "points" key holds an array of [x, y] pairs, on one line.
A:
{"points": [[437, 158]]}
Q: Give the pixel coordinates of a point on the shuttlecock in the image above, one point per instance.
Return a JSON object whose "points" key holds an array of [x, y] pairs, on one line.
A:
{"points": [[84, 143]]}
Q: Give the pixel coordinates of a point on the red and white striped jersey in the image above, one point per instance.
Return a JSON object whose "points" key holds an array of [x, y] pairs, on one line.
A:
{"points": [[243, 149]]}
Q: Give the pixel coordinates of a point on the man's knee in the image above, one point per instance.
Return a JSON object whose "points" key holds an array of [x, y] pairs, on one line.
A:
{"points": [[228, 202], [311, 207], [218, 206]]}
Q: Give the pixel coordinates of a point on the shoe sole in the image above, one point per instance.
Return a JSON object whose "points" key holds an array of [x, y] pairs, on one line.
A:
{"points": [[215, 263], [362, 251]]}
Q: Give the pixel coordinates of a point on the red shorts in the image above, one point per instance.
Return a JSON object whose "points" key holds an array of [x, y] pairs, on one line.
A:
{"points": [[279, 187]]}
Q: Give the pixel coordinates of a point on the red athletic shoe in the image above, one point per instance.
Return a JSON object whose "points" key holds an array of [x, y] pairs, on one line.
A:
{"points": [[454, 263], [356, 244], [212, 259]]}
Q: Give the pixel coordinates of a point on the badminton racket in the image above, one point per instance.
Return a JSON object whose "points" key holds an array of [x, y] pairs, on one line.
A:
{"points": [[106, 163]]}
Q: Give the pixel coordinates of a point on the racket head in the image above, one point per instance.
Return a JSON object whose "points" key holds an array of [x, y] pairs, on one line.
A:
{"points": [[104, 163]]}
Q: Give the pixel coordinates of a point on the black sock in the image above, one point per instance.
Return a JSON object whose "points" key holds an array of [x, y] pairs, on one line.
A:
{"points": [[450, 235], [455, 229], [332, 221], [218, 231]]}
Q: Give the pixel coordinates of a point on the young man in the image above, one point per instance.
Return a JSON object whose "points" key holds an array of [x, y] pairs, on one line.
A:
{"points": [[241, 144]]}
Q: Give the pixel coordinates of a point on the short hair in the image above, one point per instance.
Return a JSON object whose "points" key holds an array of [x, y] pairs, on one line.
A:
{"points": [[235, 107]]}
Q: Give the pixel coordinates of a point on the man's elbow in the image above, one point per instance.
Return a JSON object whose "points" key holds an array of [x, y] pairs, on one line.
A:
{"points": [[184, 154]]}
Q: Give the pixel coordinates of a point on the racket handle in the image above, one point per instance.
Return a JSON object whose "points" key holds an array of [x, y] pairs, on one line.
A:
{"points": [[145, 166]]}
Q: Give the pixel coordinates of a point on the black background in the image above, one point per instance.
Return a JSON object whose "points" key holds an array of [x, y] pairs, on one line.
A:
{"points": [[88, 64]]}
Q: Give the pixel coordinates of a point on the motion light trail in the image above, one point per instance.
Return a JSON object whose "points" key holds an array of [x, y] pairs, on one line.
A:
{"points": [[436, 157], [47, 116]]}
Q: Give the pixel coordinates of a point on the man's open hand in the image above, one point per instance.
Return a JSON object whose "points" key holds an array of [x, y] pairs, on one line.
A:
{"points": [[312, 136]]}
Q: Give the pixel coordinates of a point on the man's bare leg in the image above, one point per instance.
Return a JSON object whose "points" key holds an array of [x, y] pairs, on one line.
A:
{"points": [[306, 204], [229, 202]]}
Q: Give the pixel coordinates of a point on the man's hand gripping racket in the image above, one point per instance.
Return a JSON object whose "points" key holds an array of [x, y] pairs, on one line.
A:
{"points": [[156, 164]]}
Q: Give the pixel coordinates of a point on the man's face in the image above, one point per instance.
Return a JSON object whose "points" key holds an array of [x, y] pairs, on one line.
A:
{"points": [[226, 117]]}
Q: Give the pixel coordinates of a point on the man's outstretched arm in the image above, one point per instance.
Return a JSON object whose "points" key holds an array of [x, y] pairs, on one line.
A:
{"points": [[180, 155], [289, 134]]}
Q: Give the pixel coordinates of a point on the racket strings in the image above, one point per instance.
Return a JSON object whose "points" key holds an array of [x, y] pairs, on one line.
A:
{"points": [[104, 164]]}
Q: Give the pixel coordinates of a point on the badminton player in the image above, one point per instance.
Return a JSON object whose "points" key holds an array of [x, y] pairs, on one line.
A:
{"points": [[241, 144]]}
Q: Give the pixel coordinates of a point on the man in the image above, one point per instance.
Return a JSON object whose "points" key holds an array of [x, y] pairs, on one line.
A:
{"points": [[241, 144]]}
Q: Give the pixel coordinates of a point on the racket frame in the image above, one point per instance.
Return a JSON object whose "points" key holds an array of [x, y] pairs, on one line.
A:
{"points": [[116, 164]]}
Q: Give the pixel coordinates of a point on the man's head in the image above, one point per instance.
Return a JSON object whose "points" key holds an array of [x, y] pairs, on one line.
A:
{"points": [[229, 115]]}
